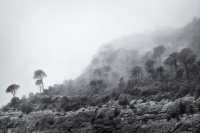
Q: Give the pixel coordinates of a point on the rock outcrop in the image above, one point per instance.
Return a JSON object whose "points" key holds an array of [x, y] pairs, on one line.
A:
{"points": [[149, 117]]}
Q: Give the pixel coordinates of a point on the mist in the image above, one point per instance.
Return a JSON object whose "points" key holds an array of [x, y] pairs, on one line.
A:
{"points": [[61, 37]]}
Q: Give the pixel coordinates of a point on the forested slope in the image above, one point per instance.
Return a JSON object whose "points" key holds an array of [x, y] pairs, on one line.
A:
{"points": [[154, 74]]}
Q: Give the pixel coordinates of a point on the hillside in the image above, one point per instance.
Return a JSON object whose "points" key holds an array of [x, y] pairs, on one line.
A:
{"points": [[145, 82]]}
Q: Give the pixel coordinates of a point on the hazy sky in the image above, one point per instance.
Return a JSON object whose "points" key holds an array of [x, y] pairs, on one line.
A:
{"points": [[61, 36]]}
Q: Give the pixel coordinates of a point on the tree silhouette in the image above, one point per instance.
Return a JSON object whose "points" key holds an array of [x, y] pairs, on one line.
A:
{"points": [[39, 75], [168, 62], [146, 56], [160, 70], [174, 59], [136, 71], [183, 56], [121, 84], [157, 52], [149, 64], [12, 89], [191, 60]]}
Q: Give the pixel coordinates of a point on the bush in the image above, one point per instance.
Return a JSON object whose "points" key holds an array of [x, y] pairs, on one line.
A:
{"points": [[184, 90], [15, 102], [95, 101], [67, 107], [46, 100], [123, 100], [26, 108], [5, 108], [105, 99], [148, 92], [135, 91], [116, 112], [132, 107]]}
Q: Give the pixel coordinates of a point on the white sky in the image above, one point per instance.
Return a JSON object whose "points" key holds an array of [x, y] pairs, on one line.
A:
{"points": [[61, 36]]}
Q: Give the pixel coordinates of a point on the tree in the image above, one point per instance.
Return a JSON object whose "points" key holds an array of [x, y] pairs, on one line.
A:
{"points": [[153, 73], [26, 108], [39, 75], [122, 84], [168, 61], [183, 56], [149, 64], [12, 89], [147, 56], [160, 70], [158, 51], [96, 85], [191, 59], [179, 74], [136, 71], [115, 75], [31, 95], [174, 59], [39, 84], [14, 102]]}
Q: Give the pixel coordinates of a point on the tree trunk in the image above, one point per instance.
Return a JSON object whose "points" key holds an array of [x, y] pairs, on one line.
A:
{"points": [[14, 93], [42, 86]]}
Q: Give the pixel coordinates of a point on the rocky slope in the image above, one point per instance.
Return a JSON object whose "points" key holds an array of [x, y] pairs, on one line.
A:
{"points": [[138, 117]]}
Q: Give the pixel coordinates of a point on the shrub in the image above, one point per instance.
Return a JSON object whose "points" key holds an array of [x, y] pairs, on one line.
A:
{"points": [[46, 100], [14, 102], [148, 92], [115, 94], [182, 108], [26, 108], [123, 100], [184, 90], [5, 108], [95, 102], [105, 99], [116, 112], [135, 91], [67, 107]]}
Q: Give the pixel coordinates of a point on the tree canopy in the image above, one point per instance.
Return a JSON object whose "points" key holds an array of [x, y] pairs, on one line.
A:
{"points": [[12, 89]]}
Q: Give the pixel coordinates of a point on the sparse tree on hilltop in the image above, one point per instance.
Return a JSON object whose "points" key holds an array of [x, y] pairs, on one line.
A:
{"points": [[12, 89], [39, 75], [160, 70]]}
